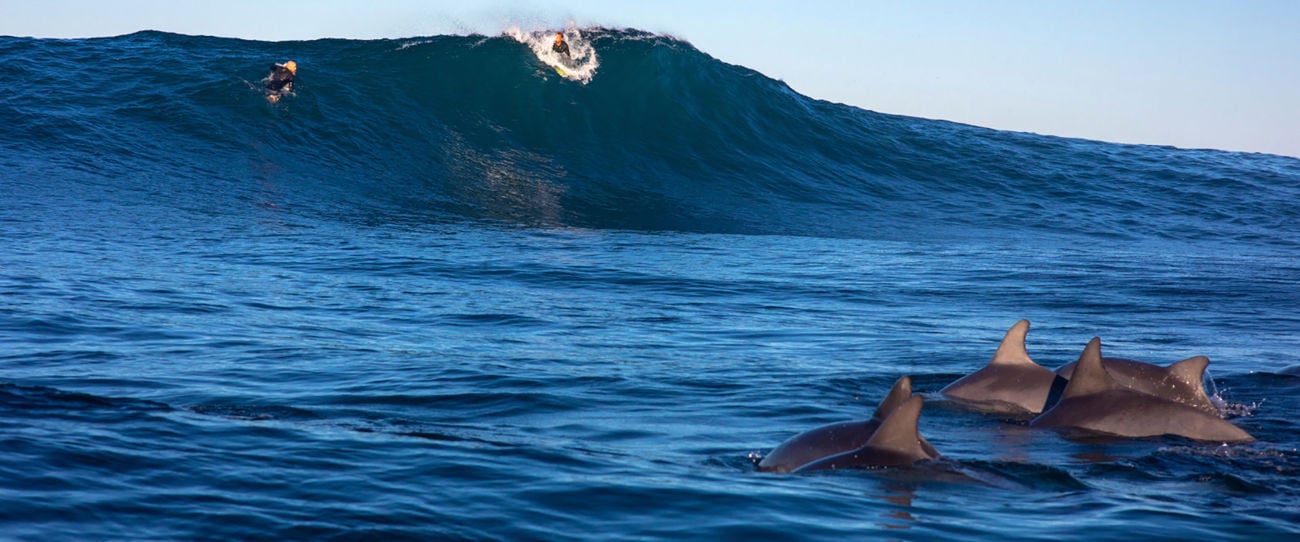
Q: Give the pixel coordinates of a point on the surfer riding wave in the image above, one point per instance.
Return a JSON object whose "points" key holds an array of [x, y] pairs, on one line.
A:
{"points": [[571, 56]]}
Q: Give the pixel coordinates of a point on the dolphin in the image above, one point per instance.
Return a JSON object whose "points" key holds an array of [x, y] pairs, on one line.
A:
{"points": [[838, 438], [1182, 382], [1012, 383], [1096, 402], [895, 443]]}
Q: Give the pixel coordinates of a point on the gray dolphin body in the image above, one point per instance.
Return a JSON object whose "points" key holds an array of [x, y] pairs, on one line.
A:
{"points": [[838, 438], [1012, 383], [896, 443], [1096, 402], [1181, 382]]}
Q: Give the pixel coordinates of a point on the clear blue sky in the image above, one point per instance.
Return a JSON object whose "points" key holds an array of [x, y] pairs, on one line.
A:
{"points": [[1221, 74]]}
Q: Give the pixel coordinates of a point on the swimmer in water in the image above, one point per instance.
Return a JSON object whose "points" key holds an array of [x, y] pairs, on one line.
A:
{"points": [[280, 81]]}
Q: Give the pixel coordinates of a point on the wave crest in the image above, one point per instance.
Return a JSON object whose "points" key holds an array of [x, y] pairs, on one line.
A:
{"points": [[659, 136]]}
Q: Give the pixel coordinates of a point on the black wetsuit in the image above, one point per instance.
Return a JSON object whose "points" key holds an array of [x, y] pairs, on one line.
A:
{"points": [[281, 79], [562, 48]]}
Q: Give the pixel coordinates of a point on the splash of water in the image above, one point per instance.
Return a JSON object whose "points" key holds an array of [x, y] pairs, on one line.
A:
{"points": [[582, 62]]}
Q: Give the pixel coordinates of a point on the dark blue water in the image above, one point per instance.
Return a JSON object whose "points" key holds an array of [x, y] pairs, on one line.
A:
{"points": [[444, 293]]}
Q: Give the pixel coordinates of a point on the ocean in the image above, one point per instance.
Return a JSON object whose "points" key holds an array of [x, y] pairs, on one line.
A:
{"points": [[442, 292]]}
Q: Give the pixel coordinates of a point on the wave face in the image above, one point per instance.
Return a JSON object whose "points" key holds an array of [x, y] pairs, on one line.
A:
{"points": [[659, 136]]}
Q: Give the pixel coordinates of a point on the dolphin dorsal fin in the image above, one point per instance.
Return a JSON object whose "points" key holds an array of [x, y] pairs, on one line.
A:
{"points": [[898, 432], [1191, 371], [897, 395], [1090, 375], [1012, 350]]}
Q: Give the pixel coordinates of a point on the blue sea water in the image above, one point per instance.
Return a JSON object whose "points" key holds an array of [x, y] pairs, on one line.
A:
{"points": [[441, 292]]}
